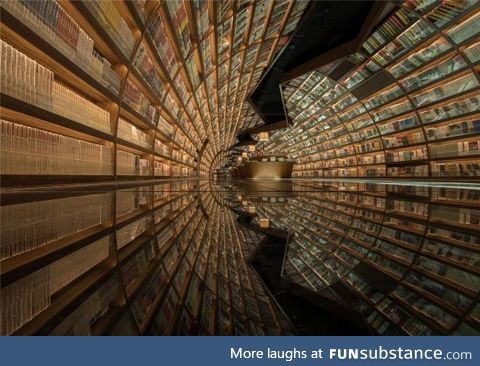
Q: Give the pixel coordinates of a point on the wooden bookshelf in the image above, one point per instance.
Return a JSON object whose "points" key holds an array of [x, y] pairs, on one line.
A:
{"points": [[145, 62]]}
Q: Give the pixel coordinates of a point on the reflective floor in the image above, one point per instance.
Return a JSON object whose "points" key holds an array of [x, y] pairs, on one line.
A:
{"points": [[241, 257]]}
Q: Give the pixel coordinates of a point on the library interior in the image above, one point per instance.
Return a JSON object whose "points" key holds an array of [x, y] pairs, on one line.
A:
{"points": [[258, 167]]}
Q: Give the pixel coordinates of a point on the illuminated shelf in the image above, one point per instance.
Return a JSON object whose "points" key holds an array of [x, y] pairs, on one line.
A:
{"points": [[414, 84], [170, 74]]}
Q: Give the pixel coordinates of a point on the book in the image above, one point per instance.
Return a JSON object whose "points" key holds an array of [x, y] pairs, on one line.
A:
{"points": [[27, 226]]}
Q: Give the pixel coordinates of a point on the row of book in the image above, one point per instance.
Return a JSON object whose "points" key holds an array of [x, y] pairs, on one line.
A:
{"points": [[165, 127], [28, 81], [145, 66], [405, 139], [383, 97], [452, 109], [454, 148], [130, 133], [469, 168], [465, 30], [129, 232], [112, 22], [437, 71], [51, 22], [28, 226], [131, 199], [406, 41], [448, 89], [473, 52], [82, 319], [388, 30], [162, 148], [418, 58], [31, 151], [438, 169], [134, 98], [181, 171], [132, 164], [161, 168]]}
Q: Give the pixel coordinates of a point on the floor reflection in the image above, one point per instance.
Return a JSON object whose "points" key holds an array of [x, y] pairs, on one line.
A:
{"points": [[182, 257], [404, 256]]}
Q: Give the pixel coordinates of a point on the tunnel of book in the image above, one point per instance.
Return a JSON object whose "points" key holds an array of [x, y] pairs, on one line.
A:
{"points": [[143, 191]]}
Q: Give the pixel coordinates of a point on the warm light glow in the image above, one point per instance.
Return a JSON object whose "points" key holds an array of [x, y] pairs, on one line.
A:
{"points": [[251, 148], [263, 136], [264, 223]]}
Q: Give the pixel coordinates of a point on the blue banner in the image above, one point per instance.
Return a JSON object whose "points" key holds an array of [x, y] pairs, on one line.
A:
{"points": [[212, 351]]}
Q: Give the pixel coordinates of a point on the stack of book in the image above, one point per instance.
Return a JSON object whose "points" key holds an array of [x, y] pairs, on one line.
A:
{"points": [[69, 104], [28, 150], [129, 232], [27, 226], [139, 102], [113, 23], [25, 79], [144, 64], [50, 21], [454, 148], [130, 133]]}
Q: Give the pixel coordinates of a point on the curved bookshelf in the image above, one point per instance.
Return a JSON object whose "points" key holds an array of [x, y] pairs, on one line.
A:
{"points": [[404, 106], [153, 65]]}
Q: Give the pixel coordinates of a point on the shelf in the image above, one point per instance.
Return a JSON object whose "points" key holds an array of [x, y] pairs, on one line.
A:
{"points": [[28, 41], [415, 81]]}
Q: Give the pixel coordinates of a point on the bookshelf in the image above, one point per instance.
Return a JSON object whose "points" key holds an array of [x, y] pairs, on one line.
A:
{"points": [[408, 104], [118, 258], [409, 254], [123, 74]]}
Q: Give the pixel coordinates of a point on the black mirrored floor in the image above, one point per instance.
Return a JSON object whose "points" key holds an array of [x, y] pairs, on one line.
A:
{"points": [[241, 258]]}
